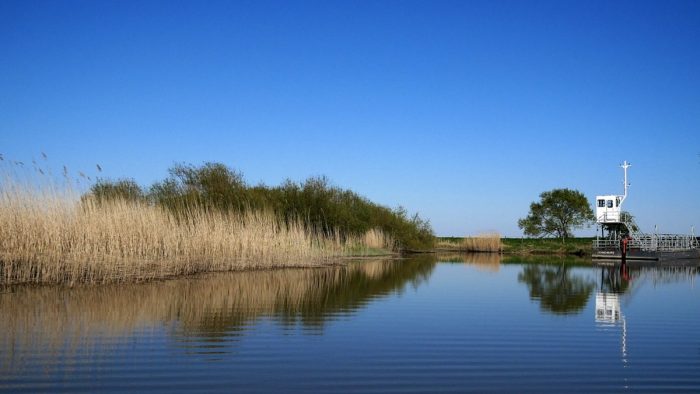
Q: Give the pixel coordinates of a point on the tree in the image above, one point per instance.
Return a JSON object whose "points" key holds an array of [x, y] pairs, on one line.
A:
{"points": [[558, 212]]}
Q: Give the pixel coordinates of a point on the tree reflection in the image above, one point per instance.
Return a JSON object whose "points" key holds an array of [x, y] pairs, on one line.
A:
{"points": [[557, 289]]}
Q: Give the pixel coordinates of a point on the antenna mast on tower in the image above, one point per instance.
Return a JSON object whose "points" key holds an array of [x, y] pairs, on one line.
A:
{"points": [[625, 166]]}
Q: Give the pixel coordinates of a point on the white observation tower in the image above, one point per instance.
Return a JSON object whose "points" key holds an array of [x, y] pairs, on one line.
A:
{"points": [[609, 207], [624, 240]]}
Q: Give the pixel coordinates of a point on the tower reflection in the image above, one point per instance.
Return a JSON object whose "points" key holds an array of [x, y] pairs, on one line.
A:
{"points": [[614, 281], [619, 283]]}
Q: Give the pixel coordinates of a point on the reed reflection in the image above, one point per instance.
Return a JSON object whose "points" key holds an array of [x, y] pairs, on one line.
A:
{"points": [[490, 262], [204, 308]]}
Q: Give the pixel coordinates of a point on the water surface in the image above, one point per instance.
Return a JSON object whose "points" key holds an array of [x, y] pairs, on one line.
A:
{"points": [[447, 324]]}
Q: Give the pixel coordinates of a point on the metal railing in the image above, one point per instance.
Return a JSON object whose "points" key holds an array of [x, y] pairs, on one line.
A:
{"points": [[652, 242], [609, 217]]}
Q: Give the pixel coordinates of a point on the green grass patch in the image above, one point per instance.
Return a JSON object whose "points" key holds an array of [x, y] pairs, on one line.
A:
{"points": [[525, 246]]}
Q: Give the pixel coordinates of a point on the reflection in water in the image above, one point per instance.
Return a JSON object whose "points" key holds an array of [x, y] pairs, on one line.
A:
{"points": [[57, 319], [608, 314], [259, 331], [557, 288], [614, 281], [490, 262], [618, 282], [571, 261], [621, 279], [561, 291], [607, 308], [548, 278]]}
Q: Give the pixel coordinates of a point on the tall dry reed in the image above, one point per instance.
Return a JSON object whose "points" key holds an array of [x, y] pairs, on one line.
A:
{"points": [[373, 242], [486, 242], [49, 234]]}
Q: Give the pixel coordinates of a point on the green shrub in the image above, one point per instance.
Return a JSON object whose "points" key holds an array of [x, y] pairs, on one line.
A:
{"points": [[125, 189], [320, 205]]}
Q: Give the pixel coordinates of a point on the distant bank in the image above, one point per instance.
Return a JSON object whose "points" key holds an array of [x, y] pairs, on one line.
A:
{"points": [[492, 243]]}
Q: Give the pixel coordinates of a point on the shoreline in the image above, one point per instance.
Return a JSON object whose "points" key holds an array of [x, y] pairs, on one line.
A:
{"points": [[509, 253], [510, 247], [580, 247]]}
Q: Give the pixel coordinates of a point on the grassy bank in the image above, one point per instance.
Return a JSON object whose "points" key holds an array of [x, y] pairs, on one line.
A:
{"points": [[526, 246], [516, 246]]}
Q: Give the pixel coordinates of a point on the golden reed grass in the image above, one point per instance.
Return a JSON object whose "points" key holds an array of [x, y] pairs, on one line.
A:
{"points": [[486, 242], [489, 242], [373, 239], [48, 235]]}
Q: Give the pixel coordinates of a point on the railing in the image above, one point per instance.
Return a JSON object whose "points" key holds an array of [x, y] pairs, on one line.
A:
{"points": [[652, 242], [609, 217], [606, 244]]}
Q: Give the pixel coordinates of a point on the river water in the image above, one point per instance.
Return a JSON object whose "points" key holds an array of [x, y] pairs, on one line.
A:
{"points": [[430, 324]]}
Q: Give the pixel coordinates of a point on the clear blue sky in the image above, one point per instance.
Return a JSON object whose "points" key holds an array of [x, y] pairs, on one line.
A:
{"points": [[462, 111]]}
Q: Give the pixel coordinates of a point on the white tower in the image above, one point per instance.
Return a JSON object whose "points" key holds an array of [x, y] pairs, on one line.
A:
{"points": [[608, 208]]}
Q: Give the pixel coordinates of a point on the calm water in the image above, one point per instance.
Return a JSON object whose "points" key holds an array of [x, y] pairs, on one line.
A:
{"points": [[464, 323]]}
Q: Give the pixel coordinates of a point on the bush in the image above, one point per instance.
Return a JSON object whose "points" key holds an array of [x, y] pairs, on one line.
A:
{"points": [[123, 189], [316, 202]]}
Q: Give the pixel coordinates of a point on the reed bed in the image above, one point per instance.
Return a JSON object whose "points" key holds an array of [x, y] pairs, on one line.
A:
{"points": [[372, 243], [376, 238], [50, 234], [488, 242], [482, 243]]}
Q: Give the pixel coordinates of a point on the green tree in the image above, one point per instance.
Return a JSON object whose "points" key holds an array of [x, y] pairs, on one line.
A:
{"points": [[558, 212]]}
